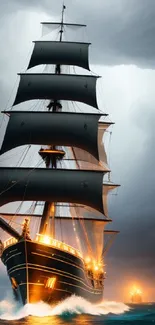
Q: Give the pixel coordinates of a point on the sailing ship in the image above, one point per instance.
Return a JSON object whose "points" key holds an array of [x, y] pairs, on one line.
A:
{"points": [[60, 251], [136, 296]]}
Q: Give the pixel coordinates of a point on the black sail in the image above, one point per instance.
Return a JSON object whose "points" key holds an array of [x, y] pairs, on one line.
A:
{"points": [[61, 53], [48, 128], [79, 88], [55, 185]]}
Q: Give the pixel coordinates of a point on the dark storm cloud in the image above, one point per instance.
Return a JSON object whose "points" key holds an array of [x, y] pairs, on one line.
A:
{"points": [[138, 193], [132, 255], [3, 92], [122, 31]]}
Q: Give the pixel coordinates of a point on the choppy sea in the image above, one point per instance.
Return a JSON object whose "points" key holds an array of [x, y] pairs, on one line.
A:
{"points": [[76, 310]]}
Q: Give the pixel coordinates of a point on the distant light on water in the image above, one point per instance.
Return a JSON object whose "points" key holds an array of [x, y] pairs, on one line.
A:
{"points": [[136, 291], [136, 295]]}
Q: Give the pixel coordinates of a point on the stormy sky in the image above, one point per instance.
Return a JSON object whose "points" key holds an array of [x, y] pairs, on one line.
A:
{"points": [[123, 53]]}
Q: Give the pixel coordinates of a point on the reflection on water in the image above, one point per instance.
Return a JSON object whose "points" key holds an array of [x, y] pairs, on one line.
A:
{"points": [[54, 320]]}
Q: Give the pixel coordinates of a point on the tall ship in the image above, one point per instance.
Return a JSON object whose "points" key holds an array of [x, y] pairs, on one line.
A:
{"points": [[53, 199], [136, 296]]}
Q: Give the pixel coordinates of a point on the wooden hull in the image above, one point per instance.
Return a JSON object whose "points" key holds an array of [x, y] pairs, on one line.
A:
{"points": [[42, 273]]}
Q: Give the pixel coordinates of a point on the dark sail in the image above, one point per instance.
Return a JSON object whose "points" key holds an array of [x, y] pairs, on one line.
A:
{"points": [[55, 185], [79, 88], [47, 128], [66, 53]]}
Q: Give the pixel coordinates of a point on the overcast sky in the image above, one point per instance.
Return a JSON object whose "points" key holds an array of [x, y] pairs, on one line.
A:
{"points": [[123, 53]]}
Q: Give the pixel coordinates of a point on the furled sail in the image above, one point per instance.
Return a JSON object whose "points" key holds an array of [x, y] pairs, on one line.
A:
{"points": [[48, 27], [53, 185], [55, 23], [81, 88], [66, 53], [48, 128]]}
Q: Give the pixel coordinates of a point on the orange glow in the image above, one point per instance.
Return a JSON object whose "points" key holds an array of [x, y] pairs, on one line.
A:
{"points": [[10, 241], [135, 291], [52, 208], [51, 151], [93, 265], [26, 221], [128, 285], [50, 283], [14, 283], [45, 240], [87, 259]]}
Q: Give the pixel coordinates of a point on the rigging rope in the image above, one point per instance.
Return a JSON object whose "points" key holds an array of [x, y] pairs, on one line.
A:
{"points": [[23, 158], [86, 236], [2, 192]]}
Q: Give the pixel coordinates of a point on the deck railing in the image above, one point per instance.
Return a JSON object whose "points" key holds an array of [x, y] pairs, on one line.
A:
{"points": [[47, 240], [10, 241]]}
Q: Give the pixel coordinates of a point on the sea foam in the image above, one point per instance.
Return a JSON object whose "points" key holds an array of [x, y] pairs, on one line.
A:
{"points": [[74, 305]]}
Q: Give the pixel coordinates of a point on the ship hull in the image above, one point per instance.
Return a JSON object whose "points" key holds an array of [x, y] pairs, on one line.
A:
{"points": [[42, 273]]}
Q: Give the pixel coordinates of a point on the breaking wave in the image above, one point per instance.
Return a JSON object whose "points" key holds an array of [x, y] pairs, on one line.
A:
{"points": [[71, 306]]}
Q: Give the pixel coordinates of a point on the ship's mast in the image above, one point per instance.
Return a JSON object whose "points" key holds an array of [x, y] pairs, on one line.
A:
{"points": [[52, 154], [62, 21], [80, 131]]}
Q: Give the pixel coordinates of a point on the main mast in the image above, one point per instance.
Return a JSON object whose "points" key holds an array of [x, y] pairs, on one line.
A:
{"points": [[83, 187], [51, 155], [78, 130]]}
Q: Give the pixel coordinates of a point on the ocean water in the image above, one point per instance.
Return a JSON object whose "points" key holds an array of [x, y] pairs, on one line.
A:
{"points": [[76, 310]]}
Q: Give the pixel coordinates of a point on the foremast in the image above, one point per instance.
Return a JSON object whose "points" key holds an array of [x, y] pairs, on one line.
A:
{"points": [[51, 155]]}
